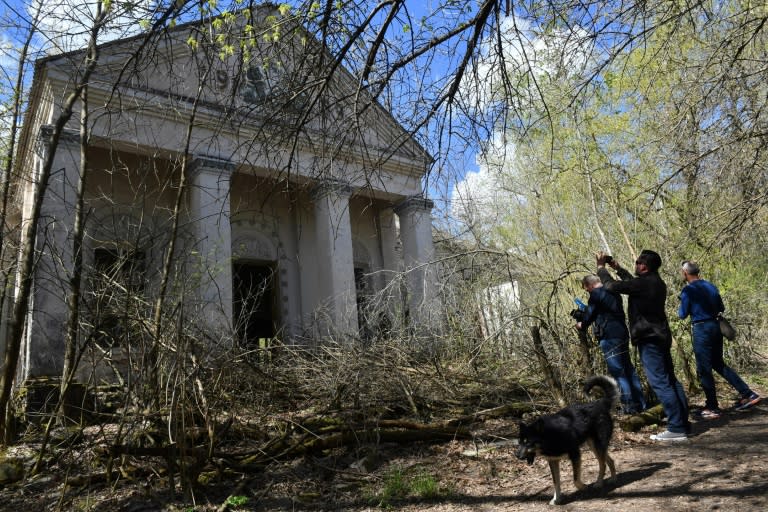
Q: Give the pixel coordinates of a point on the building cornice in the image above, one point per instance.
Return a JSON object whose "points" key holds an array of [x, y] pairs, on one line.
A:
{"points": [[45, 138], [414, 203], [210, 115], [331, 186], [218, 165]]}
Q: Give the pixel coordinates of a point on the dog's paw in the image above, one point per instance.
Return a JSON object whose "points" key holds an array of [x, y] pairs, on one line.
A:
{"points": [[598, 484], [555, 500]]}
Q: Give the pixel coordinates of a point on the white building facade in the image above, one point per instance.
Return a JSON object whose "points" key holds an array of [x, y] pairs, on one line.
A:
{"points": [[254, 219]]}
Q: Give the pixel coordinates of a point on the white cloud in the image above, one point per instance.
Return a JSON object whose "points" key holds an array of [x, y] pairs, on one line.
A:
{"points": [[524, 55], [9, 57], [482, 199]]}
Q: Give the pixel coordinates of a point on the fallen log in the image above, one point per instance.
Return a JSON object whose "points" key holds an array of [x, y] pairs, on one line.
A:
{"points": [[651, 416], [516, 409], [285, 448], [317, 434], [405, 432]]}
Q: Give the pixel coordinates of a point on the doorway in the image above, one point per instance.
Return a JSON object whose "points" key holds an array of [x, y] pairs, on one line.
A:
{"points": [[254, 303]]}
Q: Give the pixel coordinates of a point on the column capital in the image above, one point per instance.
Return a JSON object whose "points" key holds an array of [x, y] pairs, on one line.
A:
{"points": [[414, 203], [218, 165], [45, 138], [331, 186]]}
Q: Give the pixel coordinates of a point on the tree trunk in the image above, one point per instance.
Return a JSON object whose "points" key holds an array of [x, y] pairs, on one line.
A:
{"points": [[27, 259], [585, 349], [690, 374], [73, 303], [546, 367]]}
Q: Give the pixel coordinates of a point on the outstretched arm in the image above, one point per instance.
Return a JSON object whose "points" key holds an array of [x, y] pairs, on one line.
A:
{"points": [[628, 285], [623, 273]]}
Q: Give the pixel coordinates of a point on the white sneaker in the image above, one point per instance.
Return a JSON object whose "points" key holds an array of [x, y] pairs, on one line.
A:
{"points": [[669, 436]]}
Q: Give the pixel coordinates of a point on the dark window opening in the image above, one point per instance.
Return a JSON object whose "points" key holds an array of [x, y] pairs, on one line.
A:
{"points": [[253, 304]]}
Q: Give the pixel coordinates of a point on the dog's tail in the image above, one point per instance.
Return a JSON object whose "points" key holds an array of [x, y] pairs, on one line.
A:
{"points": [[609, 387]]}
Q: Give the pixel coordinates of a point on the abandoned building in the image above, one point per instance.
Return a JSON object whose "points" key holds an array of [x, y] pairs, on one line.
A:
{"points": [[258, 196]]}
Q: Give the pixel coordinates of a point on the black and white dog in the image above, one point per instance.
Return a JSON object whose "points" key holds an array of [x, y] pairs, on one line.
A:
{"points": [[560, 435]]}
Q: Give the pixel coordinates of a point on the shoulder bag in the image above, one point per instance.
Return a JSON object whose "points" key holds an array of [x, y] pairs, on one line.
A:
{"points": [[726, 328]]}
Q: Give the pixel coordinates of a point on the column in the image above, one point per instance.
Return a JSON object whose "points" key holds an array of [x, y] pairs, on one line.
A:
{"points": [[391, 262], [210, 220], [43, 346], [424, 303], [335, 263], [290, 291]]}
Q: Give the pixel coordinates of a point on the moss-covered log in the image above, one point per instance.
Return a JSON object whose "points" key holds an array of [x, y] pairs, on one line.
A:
{"points": [[651, 416]]}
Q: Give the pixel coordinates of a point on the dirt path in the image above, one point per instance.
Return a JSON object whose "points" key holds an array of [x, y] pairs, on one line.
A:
{"points": [[724, 466]]}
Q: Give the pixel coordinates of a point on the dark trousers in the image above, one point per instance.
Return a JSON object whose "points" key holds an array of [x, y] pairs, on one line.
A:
{"points": [[657, 361], [616, 353], [708, 349]]}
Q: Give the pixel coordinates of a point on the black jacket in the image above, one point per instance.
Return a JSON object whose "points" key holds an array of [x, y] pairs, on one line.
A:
{"points": [[606, 311], [647, 294]]}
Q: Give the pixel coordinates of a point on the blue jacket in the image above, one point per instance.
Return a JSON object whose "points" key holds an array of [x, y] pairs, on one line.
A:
{"points": [[606, 311], [700, 299]]}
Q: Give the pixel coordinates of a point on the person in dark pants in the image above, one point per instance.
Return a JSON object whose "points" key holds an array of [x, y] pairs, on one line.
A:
{"points": [[649, 330], [701, 300], [605, 312]]}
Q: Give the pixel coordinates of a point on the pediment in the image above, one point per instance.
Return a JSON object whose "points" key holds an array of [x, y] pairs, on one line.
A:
{"points": [[253, 78]]}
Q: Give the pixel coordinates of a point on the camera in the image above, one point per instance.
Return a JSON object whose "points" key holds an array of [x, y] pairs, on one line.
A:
{"points": [[577, 314], [608, 258]]}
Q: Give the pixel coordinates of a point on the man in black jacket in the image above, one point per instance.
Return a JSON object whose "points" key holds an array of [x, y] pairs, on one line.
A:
{"points": [[605, 312], [649, 330]]}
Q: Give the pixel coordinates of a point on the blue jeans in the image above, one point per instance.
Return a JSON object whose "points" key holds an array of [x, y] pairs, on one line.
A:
{"points": [[657, 362], [616, 353], [708, 349]]}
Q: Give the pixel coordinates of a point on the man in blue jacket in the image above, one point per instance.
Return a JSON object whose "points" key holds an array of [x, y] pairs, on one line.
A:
{"points": [[649, 330], [605, 312], [701, 300]]}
